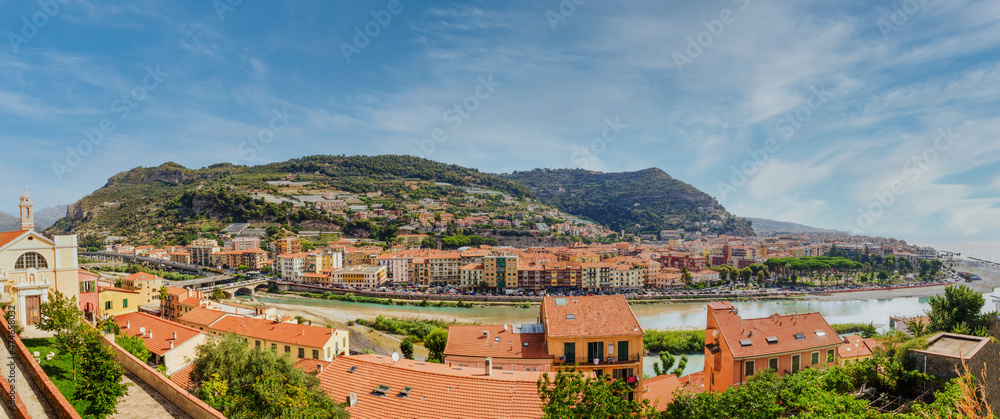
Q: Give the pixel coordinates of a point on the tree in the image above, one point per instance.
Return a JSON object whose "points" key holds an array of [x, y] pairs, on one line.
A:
{"points": [[573, 395], [681, 365], [666, 361], [868, 331], [746, 273], [164, 293], [685, 276], [243, 382], [61, 316], [958, 309], [217, 294], [406, 347], [760, 277], [435, 343], [134, 345], [100, 377]]}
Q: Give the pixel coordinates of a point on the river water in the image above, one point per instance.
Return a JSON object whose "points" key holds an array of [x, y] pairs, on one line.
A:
{"points": [[650, 316]]}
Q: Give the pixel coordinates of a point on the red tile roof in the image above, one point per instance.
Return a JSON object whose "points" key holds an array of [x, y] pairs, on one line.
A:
{"points": [[296, 334], [599, 315], [438, 391], [162, 331], [183, 377], [202, 316], [10, 236], [854, 346], [469, 341], [141, 276], [660, 390], [814, 329]]}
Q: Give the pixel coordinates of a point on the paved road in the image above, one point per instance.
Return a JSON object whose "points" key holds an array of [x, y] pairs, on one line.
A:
{"points": [[25, 387]]}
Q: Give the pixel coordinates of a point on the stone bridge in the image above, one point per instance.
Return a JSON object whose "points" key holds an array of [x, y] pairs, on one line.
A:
{"points": [[232, 289]]}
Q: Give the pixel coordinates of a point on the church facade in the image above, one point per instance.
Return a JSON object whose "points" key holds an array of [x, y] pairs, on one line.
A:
{"points": [[32, 266]]}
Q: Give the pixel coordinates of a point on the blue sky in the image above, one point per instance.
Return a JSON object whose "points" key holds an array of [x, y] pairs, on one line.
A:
{"points": [[840, 114]]}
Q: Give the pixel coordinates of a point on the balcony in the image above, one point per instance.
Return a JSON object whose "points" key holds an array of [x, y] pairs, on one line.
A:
{"points": [[607, 361]]}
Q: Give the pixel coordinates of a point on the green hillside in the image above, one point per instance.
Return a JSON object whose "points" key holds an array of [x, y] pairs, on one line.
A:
{"points": [[644, 201]]}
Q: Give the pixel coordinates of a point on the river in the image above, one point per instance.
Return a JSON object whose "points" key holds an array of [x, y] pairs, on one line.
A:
{"points": [[650, 316]]}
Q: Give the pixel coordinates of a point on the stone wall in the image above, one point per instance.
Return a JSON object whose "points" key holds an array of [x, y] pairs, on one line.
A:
{"points": [[60, 405]]}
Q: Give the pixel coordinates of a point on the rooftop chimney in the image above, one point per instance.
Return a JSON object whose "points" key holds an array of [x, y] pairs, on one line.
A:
{"points": [[150, 334], [175, 335], [171, 344], [489, 365], [128, 324]]}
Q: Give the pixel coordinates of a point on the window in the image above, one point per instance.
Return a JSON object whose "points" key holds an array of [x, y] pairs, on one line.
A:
{"points": [[315, 353], [815, 358], [258, 344], [569, 352], [107, 305], [773, 364], [623, 351], [796, 360], [288, 349], [31, 260], [829, 355], [302, 353], [124, 302], [595, 350], [274, 347], [621, 373], [748, 368]]}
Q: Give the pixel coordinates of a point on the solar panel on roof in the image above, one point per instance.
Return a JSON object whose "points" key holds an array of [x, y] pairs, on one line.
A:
{"points": [[772, 339], [745, 342]]}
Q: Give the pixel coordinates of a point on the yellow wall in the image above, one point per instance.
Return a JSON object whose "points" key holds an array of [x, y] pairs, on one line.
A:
{"points": [[118, 302]]}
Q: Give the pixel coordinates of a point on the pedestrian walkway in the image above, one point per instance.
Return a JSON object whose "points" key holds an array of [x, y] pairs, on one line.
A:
{"points": [[144, 402], [32, 397]]}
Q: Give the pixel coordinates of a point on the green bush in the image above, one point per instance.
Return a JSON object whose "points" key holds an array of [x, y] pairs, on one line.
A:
{"points": [[674, 341]]}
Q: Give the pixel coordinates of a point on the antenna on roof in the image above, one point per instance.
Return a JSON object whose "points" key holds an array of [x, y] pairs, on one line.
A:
{"points": [[395, 357]]}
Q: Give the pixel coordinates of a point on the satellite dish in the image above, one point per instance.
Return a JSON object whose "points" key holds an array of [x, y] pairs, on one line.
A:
{"points": [[395, 357]]}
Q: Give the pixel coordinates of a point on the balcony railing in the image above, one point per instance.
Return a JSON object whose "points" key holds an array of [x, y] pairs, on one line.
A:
{"points": [[607, 360]]}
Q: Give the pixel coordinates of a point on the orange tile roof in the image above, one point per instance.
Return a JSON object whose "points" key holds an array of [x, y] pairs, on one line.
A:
{"points": [[176, 291], [854, 346], [660, 390], [816, 332], [141, 276], [10, 236], [191, 301], [598, 315], [202, 316], [469, 341], [438, 391], [162, 331], [183, 377], [296, 334], [115, 289]]}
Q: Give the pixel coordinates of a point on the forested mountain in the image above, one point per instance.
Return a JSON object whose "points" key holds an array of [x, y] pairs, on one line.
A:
{"points": [[764, 226], [644, 201]]}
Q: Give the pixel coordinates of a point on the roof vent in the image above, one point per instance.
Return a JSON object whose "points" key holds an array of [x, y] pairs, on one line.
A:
{"points": [[128, 324], [772, 340], [486, 333], [745, 342], [352, 399]]}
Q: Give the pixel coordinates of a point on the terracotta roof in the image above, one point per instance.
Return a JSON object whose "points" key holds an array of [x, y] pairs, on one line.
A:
{"points": [[296, 334], [162, 331], [10, 236], [115, 289], [201, 315], [660, 390], [176, 291], [854, 346], [183, 377], [694, 382], [191, 301], [437, 391], [789, 333], [469, 341], [599, 315], [141, 276]]}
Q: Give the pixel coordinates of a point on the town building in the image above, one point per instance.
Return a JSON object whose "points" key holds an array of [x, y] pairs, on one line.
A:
{"points": [[172, 345], [32, 265], [513, 347], [146, 285], [737, 348], [361, 276], [201, 251], [855, 348], [948, 355], [180, 301], [298, 340], [115, 301]]}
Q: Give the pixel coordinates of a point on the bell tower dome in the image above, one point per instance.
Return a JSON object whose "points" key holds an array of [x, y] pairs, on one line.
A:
{"points": [[27, 217]]}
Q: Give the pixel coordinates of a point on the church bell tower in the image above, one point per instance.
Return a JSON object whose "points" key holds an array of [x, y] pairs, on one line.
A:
{"points": [[27, 218]]}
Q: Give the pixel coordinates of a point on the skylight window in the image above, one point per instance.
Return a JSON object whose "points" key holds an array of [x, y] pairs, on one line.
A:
{"points": [[800, 336], [496, 339], [745, 342], [560, 301], [352, 369], [406, 391], [820, 333], [772, 340], [571, 317], [381, 389]]}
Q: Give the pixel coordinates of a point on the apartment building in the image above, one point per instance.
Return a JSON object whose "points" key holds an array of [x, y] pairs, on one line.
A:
{"points": [[512, 347], [291, 266], [179, 302], [180, 257], [300, 341], [245, 243], [201, 251], [556, 276], [472, 275], [600, 334], [500, 271], [146, 285], [116, 301], [737, 348], [443, 268], [360, 276], [286, 245]]}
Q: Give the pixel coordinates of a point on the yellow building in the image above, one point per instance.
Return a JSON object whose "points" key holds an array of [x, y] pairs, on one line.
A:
{"points": [[299, 341], [599, 333], [500, 271], [360, 276], [114, 301], [32, 266], [147, 285]]}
